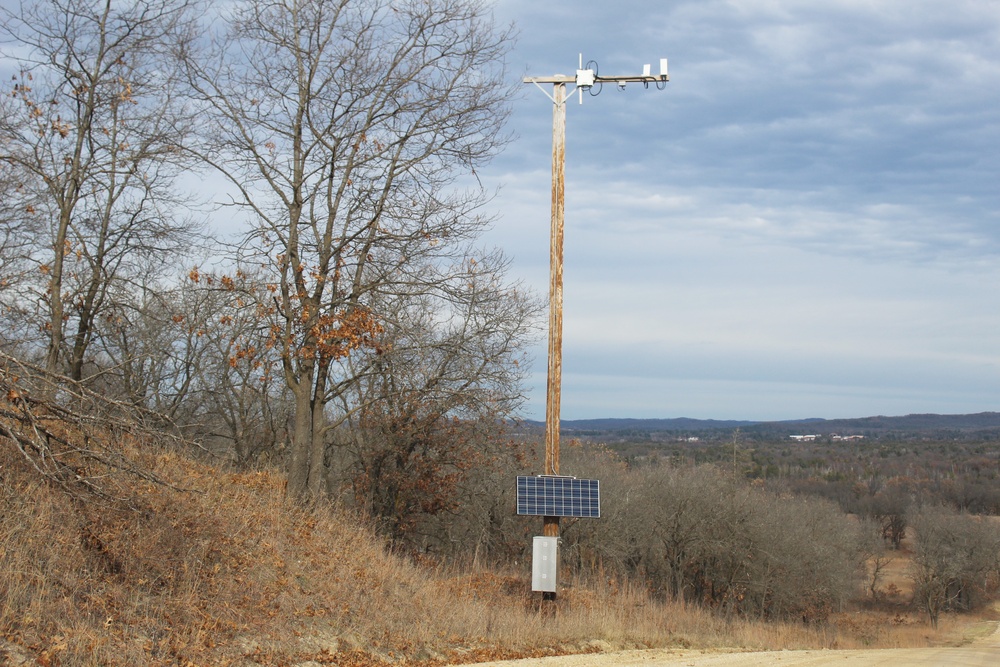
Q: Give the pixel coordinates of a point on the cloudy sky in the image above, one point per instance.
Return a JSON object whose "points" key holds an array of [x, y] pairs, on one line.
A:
{"points": [[805, 223]]}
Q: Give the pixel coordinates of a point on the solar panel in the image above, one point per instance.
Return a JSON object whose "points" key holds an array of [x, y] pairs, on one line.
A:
{"points": [[548, 495]]}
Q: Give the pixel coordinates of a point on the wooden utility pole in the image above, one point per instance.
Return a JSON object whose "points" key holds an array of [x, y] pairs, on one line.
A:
{"points": [[554, 384], [553, 396], [584, 79], [550, 524]]}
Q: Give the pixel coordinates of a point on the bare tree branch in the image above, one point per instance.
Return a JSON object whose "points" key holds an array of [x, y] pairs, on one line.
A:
{"points": [[72, 436]]}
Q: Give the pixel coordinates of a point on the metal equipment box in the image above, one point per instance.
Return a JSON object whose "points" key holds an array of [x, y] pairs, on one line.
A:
{"points": [[544, 564]]}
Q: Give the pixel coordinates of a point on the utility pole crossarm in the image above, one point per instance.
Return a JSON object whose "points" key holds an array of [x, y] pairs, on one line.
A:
{"points": [[555, 78], [584, 79], [632, 78]]}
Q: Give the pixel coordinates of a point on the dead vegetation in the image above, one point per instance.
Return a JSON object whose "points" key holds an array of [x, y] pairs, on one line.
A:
{"points": [[118, 547], [72, 436]]}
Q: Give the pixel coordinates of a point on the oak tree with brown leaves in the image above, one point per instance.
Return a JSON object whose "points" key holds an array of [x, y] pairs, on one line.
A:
{"points": [[342, 128]]}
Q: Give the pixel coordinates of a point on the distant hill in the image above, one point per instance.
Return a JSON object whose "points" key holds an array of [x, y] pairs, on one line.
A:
{"points": [[916, 423], [678, 424], [909, 424]]}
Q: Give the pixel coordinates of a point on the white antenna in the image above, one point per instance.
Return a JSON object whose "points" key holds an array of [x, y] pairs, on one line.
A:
{"points": [[584, 79]]}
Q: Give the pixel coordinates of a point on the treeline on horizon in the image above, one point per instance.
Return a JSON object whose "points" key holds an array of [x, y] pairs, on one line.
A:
{"points": [[982, 425]]}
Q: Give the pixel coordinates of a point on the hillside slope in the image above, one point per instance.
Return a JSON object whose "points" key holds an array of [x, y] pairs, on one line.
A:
{"points": [[119, 546]]}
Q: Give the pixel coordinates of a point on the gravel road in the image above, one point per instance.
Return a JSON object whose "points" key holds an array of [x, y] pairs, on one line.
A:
{"points": [[983, 653]]}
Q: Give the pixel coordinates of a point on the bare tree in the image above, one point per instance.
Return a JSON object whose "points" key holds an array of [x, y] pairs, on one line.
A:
{"points": [[956, 560], [91, 126], [342, 126], [700, 535], [875, 552], [194, 349], [241, 404], [19, 228], [430, 406], [15, 228]]}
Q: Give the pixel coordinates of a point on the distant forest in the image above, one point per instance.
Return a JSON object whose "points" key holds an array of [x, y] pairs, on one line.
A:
{"points": [[982, 425], [898, 461]]}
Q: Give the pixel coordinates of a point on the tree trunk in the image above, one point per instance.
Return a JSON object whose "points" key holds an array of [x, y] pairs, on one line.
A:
{"points": [[301, 444]]}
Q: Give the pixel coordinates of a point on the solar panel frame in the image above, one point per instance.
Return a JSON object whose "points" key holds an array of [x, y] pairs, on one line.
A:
{"points": [[554, 495]]}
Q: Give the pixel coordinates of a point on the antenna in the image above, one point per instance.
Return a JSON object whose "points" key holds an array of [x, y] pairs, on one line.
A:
{"points": [[584, 78], [588, 78]]}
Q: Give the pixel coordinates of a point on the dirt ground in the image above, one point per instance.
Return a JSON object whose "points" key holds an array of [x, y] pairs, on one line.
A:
{"points": [[984, 652]]}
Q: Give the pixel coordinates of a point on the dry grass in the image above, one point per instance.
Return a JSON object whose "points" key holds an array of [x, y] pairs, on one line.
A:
{"points": [[230, 573]]}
